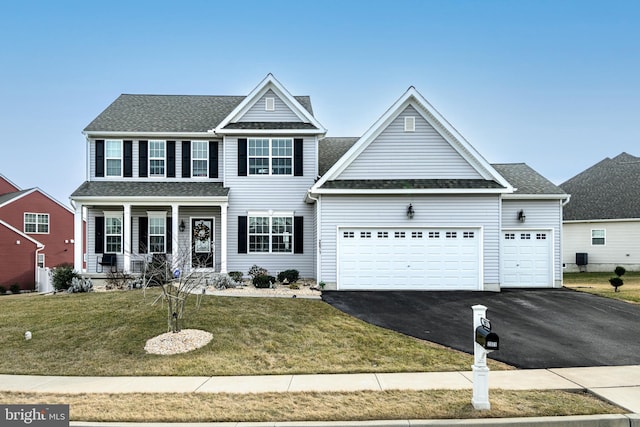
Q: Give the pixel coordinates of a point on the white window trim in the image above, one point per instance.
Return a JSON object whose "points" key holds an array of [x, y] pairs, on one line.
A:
{"points": [[410, 124], [270, 103], [157, 215], [107, 158], [163, 158], [205, 159], [40, 261], [270, 157], [271, 214], [604, 236], [24, 224], [117, 215]]}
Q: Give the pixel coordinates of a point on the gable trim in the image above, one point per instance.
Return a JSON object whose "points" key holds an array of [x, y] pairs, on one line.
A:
{"points": [[21, 234], [413, 98], [269, 83]]}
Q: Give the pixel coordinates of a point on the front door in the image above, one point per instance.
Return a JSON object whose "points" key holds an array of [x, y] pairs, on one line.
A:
{"points": [[202, 243]]}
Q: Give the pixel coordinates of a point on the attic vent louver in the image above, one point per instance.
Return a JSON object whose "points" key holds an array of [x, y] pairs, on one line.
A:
{"points": [[269, 104], [409, 124]]}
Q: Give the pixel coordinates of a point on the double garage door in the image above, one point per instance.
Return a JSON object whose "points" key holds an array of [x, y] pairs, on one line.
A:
{"points": [[409, 258]]}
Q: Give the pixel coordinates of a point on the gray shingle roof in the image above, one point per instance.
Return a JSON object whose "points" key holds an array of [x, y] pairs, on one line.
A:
{"points": [[270, 125], [398, 184], [149, 189], [169, 113], [610, 189], [9, 196], [526, 180], [330, 150]]}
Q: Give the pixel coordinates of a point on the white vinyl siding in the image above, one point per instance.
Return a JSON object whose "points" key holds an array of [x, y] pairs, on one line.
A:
{"points": [[478, 212], [421, 154], [255, 193], [622, 245], [280, 113]]}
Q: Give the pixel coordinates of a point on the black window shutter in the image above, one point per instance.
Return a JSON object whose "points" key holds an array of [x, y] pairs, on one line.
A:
{"points": [[242, 234], [171, 159], [128, 159], [213, 159], [142, 159], [99, 157], [169, 245], [143, 229], [242, 156], [298, 235], [99, 235], [186, 159], [297, 157]]}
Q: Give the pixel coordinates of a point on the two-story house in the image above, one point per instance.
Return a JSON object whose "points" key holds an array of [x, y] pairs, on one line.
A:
{"points": [[35, 231], [226, 182]]}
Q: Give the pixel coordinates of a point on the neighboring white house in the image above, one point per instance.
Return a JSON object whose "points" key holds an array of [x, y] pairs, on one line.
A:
{"points": [[602, 220], [244, 180]]}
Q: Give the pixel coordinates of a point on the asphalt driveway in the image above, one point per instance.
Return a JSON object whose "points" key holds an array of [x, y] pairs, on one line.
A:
{"points": [[538, 328]]}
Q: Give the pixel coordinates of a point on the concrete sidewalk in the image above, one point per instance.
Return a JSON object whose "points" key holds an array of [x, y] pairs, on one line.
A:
{"points": [[617, 384]]}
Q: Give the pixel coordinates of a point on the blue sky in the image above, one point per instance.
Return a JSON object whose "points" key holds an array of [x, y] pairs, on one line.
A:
{"points": [[555, 84]]}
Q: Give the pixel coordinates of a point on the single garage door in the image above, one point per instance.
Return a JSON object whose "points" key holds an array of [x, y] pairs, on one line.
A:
{"points": [[409, 258], [526, 259]]}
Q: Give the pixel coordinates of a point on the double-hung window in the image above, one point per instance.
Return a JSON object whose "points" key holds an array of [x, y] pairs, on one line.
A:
{"points": [[113, 158], [598, 237], [157, 231], [270, 156], [199, 159], [157, 150], [271, 233], [36, 223], [113, 232]]}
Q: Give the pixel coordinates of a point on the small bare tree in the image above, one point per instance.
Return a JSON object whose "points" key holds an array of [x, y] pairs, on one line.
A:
{"points": [[178, 277]]}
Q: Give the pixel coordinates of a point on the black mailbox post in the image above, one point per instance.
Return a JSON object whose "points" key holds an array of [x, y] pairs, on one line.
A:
{"points": [[487, 339]]}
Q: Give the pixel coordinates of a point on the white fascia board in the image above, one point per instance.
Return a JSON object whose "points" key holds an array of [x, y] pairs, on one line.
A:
{"points": [[13, 199], [270, 132], [535, 196], [269, 82], [21, 234], [341, 191], [432, 116], [151, 201], [136, 135]]}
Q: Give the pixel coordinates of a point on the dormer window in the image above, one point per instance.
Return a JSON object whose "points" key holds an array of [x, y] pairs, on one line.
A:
{"points": [[269, 104], [410, 124]]}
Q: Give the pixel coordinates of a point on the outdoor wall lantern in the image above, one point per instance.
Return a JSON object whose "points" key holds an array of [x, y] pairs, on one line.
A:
{"points": [[410, 211], [181, 227], [521, 216]]}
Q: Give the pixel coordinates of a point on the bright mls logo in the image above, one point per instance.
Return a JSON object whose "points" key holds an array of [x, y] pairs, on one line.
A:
{"points": [[34, 415]]}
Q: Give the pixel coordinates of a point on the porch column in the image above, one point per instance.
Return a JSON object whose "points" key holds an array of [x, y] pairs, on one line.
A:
{"points": [[126, 240], [223, 237], [175, 255], [78, 238]]}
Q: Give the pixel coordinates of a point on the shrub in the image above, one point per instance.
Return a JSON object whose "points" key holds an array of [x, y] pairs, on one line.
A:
{"points": [[80, 284], [619, 271], [236, 276], [616, 282], [263, 281], [294, 286], [15, 288], [256, 271], [62, 276], [291, 276], [222, 281], [3, 290]]}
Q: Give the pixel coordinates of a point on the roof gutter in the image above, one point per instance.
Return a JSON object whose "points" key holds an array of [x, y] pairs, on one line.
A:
{"points": [[123, 134]]}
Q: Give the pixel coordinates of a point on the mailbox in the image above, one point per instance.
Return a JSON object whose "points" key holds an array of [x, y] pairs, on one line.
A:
{"points": [[487, 339]]}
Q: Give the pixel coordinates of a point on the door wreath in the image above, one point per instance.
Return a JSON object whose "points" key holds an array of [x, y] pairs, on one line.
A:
{"points": [[201, 232]]}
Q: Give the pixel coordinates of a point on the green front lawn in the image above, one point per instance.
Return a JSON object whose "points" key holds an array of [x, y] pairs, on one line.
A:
{"points": [[598, 284]]}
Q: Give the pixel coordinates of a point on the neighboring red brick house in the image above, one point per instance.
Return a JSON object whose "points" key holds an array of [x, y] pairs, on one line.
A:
{"points": [[35, 230]]}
